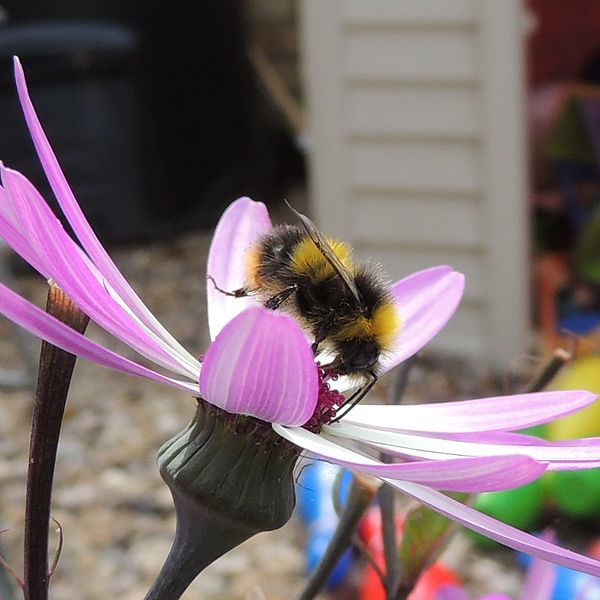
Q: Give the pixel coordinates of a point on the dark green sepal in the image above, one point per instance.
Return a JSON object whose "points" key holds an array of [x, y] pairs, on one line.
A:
{"points": [[231, 477]]}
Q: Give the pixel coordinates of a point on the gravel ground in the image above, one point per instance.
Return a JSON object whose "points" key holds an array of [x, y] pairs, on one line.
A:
{"points": [[115, 511]]}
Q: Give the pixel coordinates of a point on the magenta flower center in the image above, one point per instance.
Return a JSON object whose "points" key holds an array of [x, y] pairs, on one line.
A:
{"points": [[328, 401]]}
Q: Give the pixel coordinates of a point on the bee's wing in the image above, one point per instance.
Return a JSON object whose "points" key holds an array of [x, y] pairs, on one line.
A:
{"points": [[323, 245]]}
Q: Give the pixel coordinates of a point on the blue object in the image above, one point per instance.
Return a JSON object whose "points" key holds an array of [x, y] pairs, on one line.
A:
{"points": [[570, 585], [580, 322], [315, 502], [573, 584]]}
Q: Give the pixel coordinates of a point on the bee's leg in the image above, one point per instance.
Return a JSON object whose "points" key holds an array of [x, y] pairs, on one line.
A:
{"points": [[241, 293], [278, 299], [323, 331], [356, 397]]}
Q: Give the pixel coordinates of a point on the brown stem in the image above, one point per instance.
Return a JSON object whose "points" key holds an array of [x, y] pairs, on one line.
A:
{"points": [[364, 551], [54, 377], [559, 359]]}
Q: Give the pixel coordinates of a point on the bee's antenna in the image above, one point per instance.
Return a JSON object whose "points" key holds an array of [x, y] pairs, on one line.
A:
{"points": [[292, 209]]}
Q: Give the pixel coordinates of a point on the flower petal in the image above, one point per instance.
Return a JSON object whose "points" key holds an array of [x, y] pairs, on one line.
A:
{"points": [[9, 232], [486, 414], [240, 225], [460, 475], [426, 300], [563, 455], [46, 327], [541, 576], [454, 592], [496, 530], [115, 280], [71, 269], [261, 365]]}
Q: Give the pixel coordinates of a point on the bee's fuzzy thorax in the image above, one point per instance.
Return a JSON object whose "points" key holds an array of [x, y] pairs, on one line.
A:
{"points": [[308, 260]]}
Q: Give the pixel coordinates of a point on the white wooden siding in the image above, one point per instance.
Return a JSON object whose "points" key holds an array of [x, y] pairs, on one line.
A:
{"points": [[443, 56], [404, 13], [425, 220], [399, 264], [412, 164], [417, 155], [383, 112]]}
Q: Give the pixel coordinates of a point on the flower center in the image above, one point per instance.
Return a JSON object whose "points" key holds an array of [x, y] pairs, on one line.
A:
{"points": [[328, 402]]}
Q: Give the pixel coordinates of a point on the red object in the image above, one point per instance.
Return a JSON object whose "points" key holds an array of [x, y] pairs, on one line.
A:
{"points": [[593, 549], [369, 531], [435, 578], [564, 40], [432, 581]]}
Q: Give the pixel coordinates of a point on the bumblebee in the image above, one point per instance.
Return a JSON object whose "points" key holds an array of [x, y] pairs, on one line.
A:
{"points": [[344, 304]]}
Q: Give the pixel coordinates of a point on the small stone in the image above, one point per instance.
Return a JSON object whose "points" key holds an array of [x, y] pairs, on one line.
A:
{"points": [[233, 562], [279, 557]]}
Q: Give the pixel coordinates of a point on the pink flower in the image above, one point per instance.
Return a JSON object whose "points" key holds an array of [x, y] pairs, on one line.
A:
{"points": [[260, 362]]}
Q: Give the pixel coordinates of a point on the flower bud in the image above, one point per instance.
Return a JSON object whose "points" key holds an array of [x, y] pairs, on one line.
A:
{"points": [[231, 477]]}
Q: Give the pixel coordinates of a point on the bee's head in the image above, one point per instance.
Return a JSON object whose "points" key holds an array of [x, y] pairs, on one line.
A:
{"points": [[356, 355]]}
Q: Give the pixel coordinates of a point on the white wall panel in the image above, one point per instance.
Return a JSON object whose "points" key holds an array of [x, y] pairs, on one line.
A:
{"points": [[440, 56], [468, 333], [415, 165], [398, 262], [436, 221], [386, 13], [414, 111], [417, 154]]}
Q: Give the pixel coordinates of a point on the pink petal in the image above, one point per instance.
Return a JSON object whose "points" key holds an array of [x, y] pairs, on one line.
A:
{"points": [[64, 262], [541, 577], [563, 455], [261, 365], [78, 222], [462, 475], [453, 592], [46, 327], [486, 414], [496, 530], [20, 244], [240, 225], [426, 300], [559, 455]]}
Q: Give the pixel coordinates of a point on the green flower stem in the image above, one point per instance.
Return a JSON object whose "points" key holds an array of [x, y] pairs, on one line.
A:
{"points": [[387, 495], [393, 569], [202, 536], [231, 477], [54, 377], [359, 498]]}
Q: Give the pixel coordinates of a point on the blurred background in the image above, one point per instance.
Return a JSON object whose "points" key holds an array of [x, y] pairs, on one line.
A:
{"points": [[422, 132]]}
